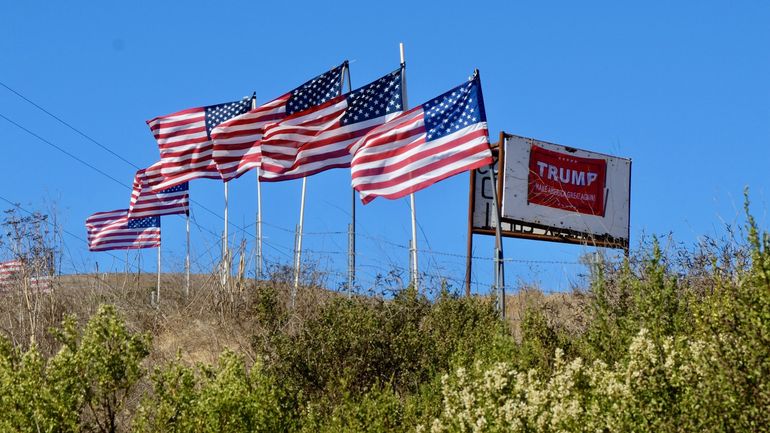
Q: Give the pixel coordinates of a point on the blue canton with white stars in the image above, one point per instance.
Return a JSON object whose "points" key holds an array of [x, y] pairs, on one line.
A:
{"points": [[178, 188], [316, 91], [216, 114], [454, 110], [376, 99], [143, 223]]}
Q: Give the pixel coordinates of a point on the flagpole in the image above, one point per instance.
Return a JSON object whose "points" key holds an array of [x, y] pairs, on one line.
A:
{"points": [[498, 262], [157, 293], [352, 229], [259, 212], [413, 246], [259, 227], [187, 259], [225, 246], [298, 258]]}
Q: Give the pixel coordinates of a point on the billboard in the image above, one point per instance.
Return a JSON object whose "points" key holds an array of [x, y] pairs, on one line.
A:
{"points": [[584, 195]]}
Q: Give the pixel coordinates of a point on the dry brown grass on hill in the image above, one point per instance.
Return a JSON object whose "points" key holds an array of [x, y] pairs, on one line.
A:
{"points": [[198, 327]]}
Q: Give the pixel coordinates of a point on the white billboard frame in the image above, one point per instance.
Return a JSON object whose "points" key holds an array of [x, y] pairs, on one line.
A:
{"points": [[612, 229]]}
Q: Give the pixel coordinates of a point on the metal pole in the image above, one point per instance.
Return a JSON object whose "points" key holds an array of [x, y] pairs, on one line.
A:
{"points": [[138, 269], [351, 257], [157, 293], [259, 212], [351, 228], [259, 227], [499, 270], [414, 274], [187, 260], [469, 246], [225, 246], [298, 259]]}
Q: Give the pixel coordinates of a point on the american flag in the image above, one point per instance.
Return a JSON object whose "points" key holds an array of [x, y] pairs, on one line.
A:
{"points": [[319, 138], [236, 141], [185, 143], [114, 231], [9, 272], [433, 141], [146, 202]]}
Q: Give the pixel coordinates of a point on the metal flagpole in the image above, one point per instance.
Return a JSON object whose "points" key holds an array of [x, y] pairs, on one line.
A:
{"points": [[498, 263], [413, 245], [225, 246], [157, 292], [352, 228], [298, 257], [187, 259], [259, 213], [259, 227]]}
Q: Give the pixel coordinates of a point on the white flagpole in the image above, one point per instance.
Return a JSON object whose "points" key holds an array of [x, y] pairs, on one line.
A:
{"points": [[352, 230], [298, 258], [187, 259], [498, 262], [259, 227], [259, 213], [414, 275], [225, 246], [157, 293]]}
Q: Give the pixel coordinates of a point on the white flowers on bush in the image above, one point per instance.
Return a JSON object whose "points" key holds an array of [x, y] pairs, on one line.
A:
{"points": [[576, 397]]}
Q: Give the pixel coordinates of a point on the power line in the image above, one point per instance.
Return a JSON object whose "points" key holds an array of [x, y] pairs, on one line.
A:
{"points": [[60, 149], [83, 134], [18, 206]]}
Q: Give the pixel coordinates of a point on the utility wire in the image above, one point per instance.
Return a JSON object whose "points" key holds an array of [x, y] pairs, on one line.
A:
{"points": [[83, 134], [96, 169], [89, 138], [18, 206], [60, 149]]}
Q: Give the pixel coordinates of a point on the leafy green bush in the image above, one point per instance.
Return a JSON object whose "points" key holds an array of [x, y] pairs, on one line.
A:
{"points": [[85, 386], [227, 397], [352, 344]]}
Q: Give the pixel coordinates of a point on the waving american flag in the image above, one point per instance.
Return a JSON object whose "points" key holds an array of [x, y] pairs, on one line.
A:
{"points": [[237, 141], [147, 202], [319, 138], [114, 231], [438, 139], [184, 139]]}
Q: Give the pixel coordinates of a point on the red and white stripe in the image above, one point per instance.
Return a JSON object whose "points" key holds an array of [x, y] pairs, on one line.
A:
{"points": [[185, 148], [312, 141], [236, 147], [109, 231], [145, 201], [11, 275], [9, 272], [395, 159]]}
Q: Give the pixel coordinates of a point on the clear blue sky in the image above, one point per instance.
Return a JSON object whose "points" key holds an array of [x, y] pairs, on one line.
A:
{"points": [[682, 88]]}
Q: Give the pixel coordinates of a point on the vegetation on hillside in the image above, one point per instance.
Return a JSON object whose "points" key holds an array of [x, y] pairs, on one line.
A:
{"points": [[670, 340]]}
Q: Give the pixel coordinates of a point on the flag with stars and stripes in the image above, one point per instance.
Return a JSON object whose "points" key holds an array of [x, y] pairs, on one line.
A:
{"points": [[319, 138], [146, 202], [237, 141], [433, 141], [184, 139], [114, 231]]}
